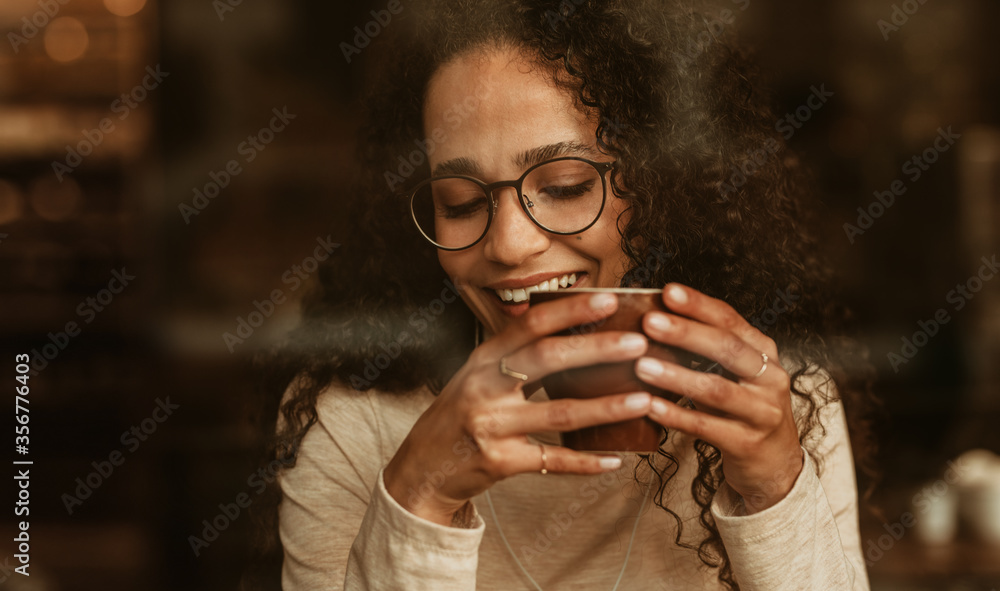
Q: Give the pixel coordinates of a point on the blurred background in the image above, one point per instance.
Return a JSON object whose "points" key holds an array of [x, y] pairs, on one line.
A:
{"points": [[164, 164]]}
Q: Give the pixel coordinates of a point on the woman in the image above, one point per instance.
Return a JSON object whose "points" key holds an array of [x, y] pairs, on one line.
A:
{"points": [[418, 461]]}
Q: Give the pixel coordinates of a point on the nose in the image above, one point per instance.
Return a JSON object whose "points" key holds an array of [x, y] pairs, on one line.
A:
{"points": [[513, 238]]}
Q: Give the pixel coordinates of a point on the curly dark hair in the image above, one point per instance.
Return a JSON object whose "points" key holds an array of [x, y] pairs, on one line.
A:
{"points": [[714, 196]]}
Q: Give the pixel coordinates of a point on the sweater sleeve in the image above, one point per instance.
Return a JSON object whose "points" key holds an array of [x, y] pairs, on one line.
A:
{"points": [[340, 528], [810, 539]]}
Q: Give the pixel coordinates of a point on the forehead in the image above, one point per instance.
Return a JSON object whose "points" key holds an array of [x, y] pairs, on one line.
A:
{"points": [[491, 105]]}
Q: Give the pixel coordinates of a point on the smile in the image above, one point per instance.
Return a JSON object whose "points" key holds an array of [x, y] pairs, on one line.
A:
{"points": [[521, 294]]}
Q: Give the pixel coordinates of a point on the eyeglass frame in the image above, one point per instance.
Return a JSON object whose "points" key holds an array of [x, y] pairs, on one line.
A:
{"points": [[602, 169]]}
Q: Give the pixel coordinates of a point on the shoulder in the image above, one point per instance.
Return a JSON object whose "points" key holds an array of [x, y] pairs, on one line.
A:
{"points": [[338, 400], [371, 422], [355, 434]]}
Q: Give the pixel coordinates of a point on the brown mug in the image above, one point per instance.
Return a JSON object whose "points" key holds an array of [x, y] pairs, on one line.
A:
{"points": [[635, 435]]}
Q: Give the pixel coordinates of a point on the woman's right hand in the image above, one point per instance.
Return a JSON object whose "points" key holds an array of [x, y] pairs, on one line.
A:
{"points": [[474, 434]]}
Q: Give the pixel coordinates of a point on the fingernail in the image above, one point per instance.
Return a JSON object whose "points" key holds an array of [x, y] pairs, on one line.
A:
{"points": [[677, 294], [601, 301], [658, 406], [637, 401], [649, 367], [610, 463], [661, 322], [632, 342]]}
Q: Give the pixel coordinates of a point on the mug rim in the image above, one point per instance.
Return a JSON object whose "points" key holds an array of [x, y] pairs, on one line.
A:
{"points": [[623, 290]]}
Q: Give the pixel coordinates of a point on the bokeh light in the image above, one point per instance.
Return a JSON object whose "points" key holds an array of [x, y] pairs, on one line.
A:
{"points": [[66, 39], [53, 200], [124, 7]]}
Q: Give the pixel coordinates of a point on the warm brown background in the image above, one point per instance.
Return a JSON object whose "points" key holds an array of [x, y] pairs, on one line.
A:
{"points": [[162, 337]]}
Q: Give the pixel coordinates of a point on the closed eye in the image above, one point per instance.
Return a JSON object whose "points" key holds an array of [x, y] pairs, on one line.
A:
{"points": [[463, 210], [568, 192]]}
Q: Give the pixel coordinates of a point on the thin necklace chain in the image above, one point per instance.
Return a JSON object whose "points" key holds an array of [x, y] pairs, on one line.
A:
{"points": [[493, 512], [628, 552]]}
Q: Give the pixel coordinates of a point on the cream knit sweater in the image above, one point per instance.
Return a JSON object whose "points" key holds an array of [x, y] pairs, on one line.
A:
{"points": [[341, 530]]}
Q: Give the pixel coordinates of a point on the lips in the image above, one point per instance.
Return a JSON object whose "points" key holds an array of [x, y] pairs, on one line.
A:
{"points": [[520, 294]]}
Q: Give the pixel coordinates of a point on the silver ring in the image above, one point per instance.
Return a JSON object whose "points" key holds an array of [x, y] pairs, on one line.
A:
{"points": [[763, 367], [511, 373], [545, 469]]}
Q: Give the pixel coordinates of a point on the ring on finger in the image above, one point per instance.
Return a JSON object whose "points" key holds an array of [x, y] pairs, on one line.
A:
{"points": [[511, 373], [545, 469], [763, 367]]}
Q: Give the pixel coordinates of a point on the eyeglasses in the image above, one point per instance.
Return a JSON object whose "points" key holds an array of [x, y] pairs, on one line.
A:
{"points": [[562, 196]]}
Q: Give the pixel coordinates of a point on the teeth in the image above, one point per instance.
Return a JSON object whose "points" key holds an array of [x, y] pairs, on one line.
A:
{"points": [[521, 295]]}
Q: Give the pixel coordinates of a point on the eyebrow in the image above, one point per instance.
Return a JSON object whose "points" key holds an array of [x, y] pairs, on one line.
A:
{"points": [[460, 166], [534, 156], [527, 159]]}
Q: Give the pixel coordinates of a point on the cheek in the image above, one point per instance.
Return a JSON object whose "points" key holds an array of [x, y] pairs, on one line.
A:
{"points": [[608, 251], [456, 264], [446, 260]]}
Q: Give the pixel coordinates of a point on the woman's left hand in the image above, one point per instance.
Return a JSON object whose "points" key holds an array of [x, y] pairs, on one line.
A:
{"points": [[749, 421]]}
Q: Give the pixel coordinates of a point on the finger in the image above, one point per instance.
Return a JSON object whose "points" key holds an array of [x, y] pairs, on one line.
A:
{"points": [[709, 391], [570, 414], [550, 317], [717, 344], [559, 460], [725, 434], [715, 312], [552, 354]]}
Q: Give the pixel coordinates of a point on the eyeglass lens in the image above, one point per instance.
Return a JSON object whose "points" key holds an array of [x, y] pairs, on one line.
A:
{"points": [[563, 196]]}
